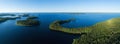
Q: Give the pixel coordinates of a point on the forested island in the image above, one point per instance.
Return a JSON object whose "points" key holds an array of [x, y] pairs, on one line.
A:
{"points": [[4, 17], [5, 14], [3, 20], [30, 21], [106, 32], [32, 17]]}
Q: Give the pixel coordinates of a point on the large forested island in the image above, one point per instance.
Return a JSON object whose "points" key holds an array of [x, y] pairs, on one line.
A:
{"points": [[106, 32], [30, 21]]}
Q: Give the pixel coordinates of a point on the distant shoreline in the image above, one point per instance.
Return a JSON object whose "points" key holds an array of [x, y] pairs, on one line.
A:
{"points": [[62, 12]]}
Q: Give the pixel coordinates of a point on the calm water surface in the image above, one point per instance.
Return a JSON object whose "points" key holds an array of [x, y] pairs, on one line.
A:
{"points": [[13, 34]]}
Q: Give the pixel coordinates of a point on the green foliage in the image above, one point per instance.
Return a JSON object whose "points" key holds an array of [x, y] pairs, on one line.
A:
{"points": [[107, 32], [28, 22], [3, 20]]}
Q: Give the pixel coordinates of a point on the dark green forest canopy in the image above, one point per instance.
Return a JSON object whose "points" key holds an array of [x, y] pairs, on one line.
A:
{"points": [[106, 32], [29, 21]]}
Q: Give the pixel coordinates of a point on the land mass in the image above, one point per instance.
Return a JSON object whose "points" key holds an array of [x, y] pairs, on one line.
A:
{"points": [[7, 18], [106, 32], [3, 20], [32, 17], [7, 14], [30, 21]]}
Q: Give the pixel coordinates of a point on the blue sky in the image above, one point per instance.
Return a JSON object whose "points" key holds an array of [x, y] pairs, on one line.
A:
{"points": [[59, 5]]}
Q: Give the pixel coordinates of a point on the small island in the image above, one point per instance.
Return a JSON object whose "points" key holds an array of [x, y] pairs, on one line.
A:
{"points": [[106, 32], [28, 22], [6, 14], [3, 20], [32, 17], [7, 18]]}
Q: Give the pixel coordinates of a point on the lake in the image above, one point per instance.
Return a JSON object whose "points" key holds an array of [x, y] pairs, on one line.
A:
{"points": [[10, 33]]}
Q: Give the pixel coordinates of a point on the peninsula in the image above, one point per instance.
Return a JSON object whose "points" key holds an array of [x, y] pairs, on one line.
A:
{"points": [[106, 32]]}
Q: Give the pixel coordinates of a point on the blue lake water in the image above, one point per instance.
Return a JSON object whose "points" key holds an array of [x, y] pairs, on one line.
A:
{"points": [[10, 33]]}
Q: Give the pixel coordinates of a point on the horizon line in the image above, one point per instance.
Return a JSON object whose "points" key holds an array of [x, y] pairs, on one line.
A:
{"points": [[59, 12]]}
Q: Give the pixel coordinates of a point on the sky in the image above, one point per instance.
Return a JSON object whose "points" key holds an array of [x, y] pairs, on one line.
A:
{"points": [[59, 5]]}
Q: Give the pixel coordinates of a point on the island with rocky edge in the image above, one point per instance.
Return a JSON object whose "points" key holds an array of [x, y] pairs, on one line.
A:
{"points": [[106, 32]]}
